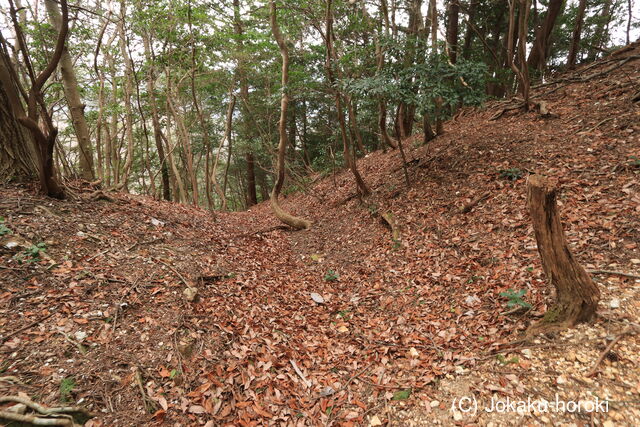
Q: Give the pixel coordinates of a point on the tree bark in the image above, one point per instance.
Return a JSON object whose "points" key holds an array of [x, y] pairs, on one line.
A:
{"points": [[281, 214], [577, 33], [521, 70], [539, 51], [577, 295], [468, 35], [127, 97], [18, 160], [37, 118], [155, 120], [331, 56], [72, 94], [453, 11], [252, 197]]}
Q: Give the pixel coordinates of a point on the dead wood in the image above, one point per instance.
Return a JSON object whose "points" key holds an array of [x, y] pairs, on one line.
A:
{"points": [[577, 295], [472, 204]]}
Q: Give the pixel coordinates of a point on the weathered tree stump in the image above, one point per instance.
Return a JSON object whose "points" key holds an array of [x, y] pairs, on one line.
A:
{"points": [[577, 295]]}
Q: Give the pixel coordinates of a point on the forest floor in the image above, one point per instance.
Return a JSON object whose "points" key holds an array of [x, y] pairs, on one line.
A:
{"points": [[407, 327]]}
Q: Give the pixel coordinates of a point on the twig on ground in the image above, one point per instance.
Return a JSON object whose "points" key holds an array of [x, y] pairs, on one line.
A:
{"points": [[29, 326], [606, 351], [615, 273], [300, 374]]}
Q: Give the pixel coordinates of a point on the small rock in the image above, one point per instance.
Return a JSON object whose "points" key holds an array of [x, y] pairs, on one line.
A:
{"points": [[571, 356], [327, 391], [457, 416], [343, 329], [608, 423], [413, 352], [545, 419], [317, 298], [614, 303], [526, 353], [190, 294], [561, 380], [375, 421], [156, 222], [80, 335], [434, 403]]}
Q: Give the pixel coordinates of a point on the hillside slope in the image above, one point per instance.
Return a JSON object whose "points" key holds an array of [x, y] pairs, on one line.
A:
{"points": [[406, 326]]}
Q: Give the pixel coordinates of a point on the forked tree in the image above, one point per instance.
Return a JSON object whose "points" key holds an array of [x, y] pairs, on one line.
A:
{"points": [[37, 118]]}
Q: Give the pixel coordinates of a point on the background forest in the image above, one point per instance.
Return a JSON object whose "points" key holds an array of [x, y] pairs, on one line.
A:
{"points": [[180, 99]]}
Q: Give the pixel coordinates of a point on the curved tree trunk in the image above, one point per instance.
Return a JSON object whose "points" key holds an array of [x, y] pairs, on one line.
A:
{"points": [[331, 56], [577, 295], [72, 94], [287, 218]]}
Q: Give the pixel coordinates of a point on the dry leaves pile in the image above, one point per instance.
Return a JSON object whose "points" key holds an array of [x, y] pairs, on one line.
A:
{"points": [[341, 324]]}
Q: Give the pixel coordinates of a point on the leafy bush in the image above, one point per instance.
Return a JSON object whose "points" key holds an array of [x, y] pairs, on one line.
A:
{"points": [[331, 276], [515, 298], [3, 228], [512, 174]]}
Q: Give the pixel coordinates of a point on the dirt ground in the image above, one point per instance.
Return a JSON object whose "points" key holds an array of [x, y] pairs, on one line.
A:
{"points": [[399, 331]]}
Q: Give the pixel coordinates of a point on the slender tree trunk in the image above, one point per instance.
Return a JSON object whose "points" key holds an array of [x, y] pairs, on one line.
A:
{"points": [[382, 105], [521, 70], [183, 136], [252, 197], [290, 220], [577, 295], [72, 94], [453, 11], [155, 120], [601, 31], [331, 56], [433, 17], [469, 32], [128, 110], [576, 35], [181, 194], [226, 137]]}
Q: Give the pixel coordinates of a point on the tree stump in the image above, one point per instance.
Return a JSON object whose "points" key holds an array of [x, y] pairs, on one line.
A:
{"points": [[577, 295]]}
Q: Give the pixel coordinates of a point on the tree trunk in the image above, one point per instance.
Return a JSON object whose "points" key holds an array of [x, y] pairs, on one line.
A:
{"points": [[468, 35], [575, 37], [331, 56], [577, 295], [128, 110], [290, 220], [37, 118], [252, 197], [521, 70], [155, 120], [601, 35], [453, 10], [18, 161], [72, 94], [538, 56]]}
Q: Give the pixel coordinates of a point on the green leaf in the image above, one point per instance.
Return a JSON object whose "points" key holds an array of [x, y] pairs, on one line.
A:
{"points": [[401, 395]]}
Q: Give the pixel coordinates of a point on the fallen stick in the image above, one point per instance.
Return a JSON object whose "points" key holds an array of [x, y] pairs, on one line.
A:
{"points": [[300, 374], [29, 326], [606, 351], [469, 206], [615, 273]]}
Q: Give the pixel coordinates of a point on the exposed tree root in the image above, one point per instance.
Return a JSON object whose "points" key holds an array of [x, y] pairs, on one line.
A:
{"points": [[59, 416]]}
